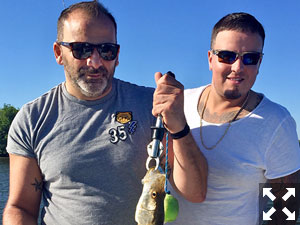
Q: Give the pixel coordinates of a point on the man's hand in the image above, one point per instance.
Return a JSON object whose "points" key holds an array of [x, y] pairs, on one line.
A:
{"points": [[168, 101], [187, 165]]}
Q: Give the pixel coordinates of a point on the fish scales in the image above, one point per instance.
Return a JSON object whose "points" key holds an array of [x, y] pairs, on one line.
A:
{"points": [[150, 207]]}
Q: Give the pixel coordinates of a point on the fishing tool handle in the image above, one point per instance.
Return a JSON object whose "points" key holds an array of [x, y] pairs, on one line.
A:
{"points": [[155, 147]]}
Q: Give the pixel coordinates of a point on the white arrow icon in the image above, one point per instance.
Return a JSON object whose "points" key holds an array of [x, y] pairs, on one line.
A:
{"points": [[267, 216], [291, 191], [267, 191], [291, 216]]}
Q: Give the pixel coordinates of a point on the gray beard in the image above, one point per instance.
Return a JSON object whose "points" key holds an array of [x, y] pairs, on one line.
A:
{"points": [[92, 89]]}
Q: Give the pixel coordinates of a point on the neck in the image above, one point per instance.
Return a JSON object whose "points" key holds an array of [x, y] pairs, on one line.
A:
{"points": [[219, 103], [217, 109]]}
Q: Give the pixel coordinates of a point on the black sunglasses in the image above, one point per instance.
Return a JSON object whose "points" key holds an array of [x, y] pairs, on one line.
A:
{"points": [[84, 50], [229, 57]]}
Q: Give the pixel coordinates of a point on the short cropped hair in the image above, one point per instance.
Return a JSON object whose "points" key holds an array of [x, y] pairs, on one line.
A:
{"points": [[242, 22], [93, 9]]}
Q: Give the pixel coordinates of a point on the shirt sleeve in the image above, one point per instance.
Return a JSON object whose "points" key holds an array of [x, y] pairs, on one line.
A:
{"points": [[19, 140], [283, 154]]}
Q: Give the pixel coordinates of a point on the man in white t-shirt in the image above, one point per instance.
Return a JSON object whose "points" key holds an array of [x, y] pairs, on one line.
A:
{"points": [[247, 139]]}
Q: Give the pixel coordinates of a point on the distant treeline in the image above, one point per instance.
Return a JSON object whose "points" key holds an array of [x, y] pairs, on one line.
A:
{"points": [[7, 114]]}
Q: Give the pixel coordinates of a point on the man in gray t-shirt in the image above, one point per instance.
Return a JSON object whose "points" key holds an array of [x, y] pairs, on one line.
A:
{"points": [[81, 147]]}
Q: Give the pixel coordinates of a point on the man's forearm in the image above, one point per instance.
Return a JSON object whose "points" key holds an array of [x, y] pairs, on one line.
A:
{"points": [[190, 169], [16, 216]]}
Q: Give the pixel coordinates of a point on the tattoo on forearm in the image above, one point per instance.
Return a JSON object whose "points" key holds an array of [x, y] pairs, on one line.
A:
{"points": [[37, 185]]}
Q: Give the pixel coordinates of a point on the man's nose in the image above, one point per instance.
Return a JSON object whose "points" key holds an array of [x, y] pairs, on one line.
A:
{"points": [[238, 65], [95, 59]]}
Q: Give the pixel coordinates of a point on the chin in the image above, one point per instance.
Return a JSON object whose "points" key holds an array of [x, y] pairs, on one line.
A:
{"points": [[95, 92], [232, 94]]}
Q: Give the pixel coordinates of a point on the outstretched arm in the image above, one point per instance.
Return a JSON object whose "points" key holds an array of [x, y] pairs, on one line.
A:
{"points": [[25, 188], [188, 165]]}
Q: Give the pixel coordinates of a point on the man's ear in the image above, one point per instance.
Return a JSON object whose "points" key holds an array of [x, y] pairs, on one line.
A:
{"points": [[209, 56], [57, 53]]}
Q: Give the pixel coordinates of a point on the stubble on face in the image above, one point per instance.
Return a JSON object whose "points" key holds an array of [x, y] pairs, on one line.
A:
{"points": [[90, 87]]}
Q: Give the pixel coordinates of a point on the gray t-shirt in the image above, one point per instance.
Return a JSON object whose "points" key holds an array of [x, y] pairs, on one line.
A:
{"points": [[91, 154]]}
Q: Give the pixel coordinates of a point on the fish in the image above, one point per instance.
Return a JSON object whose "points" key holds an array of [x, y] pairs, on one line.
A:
{"points": [[150, 207]]}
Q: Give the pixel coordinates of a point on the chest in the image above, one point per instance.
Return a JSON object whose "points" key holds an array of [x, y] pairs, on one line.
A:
{"points": [[236, 161], [92, 144]]}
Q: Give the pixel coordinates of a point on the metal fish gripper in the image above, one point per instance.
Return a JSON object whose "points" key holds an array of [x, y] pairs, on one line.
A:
{"points": [[155, 148]]}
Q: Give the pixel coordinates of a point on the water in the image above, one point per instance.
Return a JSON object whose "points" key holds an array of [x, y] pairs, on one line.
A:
{"points": [[4, 182]]}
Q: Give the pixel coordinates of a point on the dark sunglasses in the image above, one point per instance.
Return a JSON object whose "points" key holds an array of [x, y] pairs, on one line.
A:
{"points": [[84, 50], [229, 57]]}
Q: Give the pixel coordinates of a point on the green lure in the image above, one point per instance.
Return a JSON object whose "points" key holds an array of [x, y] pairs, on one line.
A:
{"points": [[171, 208]]}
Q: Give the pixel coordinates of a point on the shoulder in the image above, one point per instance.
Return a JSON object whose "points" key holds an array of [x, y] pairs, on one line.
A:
{"points": [[129, 89], [39, 106], [36, 103], [25, 123], [273, 110], [277, 121], [126, 84], [191, 96], [194, 91]]}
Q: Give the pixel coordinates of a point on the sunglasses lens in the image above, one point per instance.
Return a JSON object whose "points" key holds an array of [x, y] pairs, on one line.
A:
{"points": [[251, 58], [229, 57], [226, 56], [108, 51], [82, 50]]}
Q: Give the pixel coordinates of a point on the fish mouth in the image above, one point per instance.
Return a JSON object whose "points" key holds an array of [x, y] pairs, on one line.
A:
{"points": [[144, 216]]}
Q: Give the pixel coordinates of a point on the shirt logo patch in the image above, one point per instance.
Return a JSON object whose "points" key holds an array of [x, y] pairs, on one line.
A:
{"points": [[121, 132], [123, 117]]}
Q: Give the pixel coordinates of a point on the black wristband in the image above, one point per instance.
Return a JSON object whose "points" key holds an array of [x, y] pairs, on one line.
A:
{"points": [[182, 133]]}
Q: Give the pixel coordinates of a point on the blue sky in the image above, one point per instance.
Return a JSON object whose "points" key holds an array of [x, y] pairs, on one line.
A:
{"points": [[155, 35]]}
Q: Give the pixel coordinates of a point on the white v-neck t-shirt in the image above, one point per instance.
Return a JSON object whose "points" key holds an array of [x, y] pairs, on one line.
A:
{"points": [[262, 145]]}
